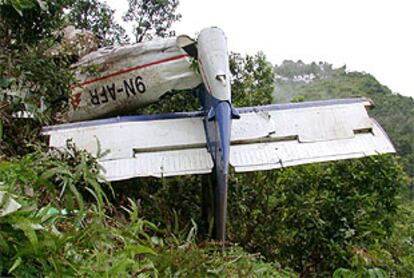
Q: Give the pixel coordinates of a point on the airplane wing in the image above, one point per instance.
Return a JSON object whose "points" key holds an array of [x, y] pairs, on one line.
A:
{"points": [[265, 137], [158, 145], [291, 134]]}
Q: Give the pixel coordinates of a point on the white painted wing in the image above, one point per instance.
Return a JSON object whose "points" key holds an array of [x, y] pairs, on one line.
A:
{"points": [[292, 134], [264, 138], [140, 146]]}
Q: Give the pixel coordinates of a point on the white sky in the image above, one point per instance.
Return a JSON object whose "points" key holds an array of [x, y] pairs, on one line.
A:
{"points": [[375, 36]]}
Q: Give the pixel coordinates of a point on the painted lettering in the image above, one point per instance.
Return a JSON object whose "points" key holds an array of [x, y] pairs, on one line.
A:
{"points": [[112, 91], [104, 95], [129, 87], [139, 84], [108, 92], [94, 97]]}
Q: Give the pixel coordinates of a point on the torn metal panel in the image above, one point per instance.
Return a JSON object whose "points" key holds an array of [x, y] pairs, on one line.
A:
{"points": [[308, 134], [309, 122], [118, 79], [252, 126], [321, 123]]}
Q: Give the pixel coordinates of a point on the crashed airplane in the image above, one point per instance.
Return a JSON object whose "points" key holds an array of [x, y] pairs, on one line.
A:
{"points": [[116, 80]]}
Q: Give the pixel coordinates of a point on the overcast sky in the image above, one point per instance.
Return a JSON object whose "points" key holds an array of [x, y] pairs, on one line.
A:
{"points": [[375, 36]]}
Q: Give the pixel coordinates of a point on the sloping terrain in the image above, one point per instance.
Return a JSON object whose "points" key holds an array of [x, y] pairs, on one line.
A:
{"points": [[297, 81]]}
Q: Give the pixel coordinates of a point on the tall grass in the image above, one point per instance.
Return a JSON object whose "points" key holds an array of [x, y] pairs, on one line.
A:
{"points": [[67, 227]]}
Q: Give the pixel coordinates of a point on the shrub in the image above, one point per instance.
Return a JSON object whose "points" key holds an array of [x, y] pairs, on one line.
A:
{"points": [[64, 226], [313, 218]]}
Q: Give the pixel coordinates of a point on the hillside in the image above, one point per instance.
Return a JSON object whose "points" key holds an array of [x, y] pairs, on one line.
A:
{"points": [[60, 218], [297, 81]]}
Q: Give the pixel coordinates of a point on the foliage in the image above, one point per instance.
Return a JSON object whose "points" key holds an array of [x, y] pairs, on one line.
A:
{"points": [[400, 245], [98, 17], [321, 81], [323, 213], [31, 81], [152, 18], [28, 21], [48, 237], [314, 218], [252, 81], [62, 179], [27, 74], [393, 258], [208, 261], [332, 218]]}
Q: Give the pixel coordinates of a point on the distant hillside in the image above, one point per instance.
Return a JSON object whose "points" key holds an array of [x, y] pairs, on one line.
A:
{"points": [[297, 81]]}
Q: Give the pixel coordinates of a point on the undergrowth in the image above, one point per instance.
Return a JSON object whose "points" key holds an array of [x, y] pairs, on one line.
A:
{"points": [[344, 218], [56, 220]]}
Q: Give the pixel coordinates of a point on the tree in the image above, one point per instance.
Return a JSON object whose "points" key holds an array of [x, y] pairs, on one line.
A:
{"points": [[152, 18], [29, 21], [97, 17], [28, 75], [253, 81]]}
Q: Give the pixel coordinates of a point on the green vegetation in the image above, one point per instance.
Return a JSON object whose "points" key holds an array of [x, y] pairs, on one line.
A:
{"points": [[46, 237], [341, 219], [313, 219], [296, 81]]}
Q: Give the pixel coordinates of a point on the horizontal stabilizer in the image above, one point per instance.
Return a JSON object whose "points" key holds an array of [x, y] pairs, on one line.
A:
{"points": [[285, 135]]}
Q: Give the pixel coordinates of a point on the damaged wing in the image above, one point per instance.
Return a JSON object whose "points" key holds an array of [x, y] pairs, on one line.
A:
{"points": [[140, 146], [291, 134], [264, 138]]}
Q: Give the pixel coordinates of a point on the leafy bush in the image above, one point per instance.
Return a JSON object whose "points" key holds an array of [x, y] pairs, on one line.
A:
{"points": [[314, 218], [64, 226], [393, 258]]}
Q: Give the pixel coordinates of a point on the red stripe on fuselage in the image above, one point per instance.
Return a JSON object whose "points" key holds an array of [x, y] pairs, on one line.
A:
{"points": [[128, 70]]}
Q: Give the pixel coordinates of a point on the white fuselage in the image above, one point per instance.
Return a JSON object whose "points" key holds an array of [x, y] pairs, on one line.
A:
{"points": [[116, 80]]}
